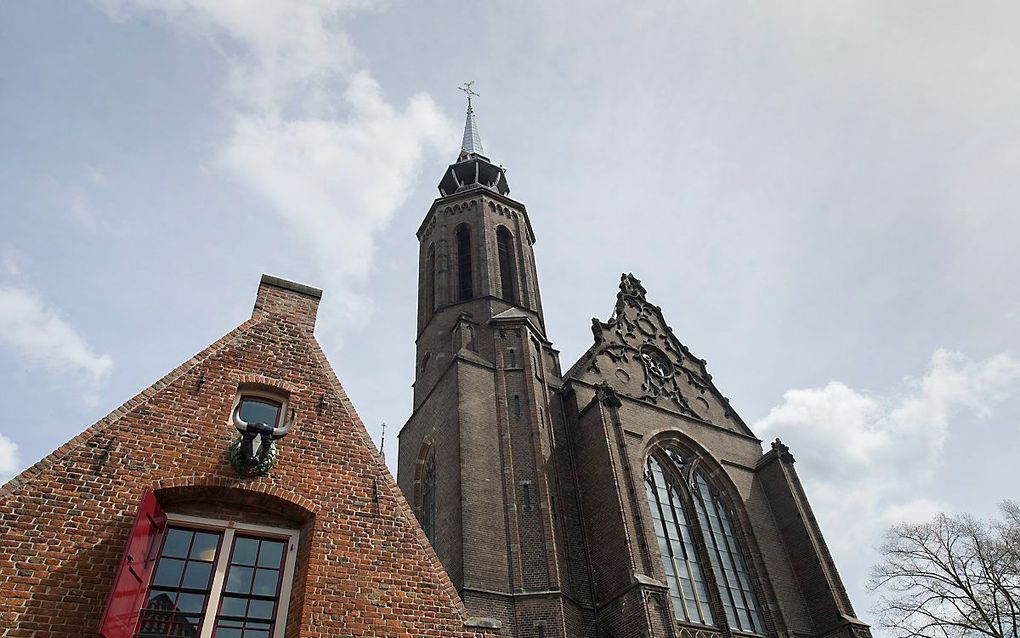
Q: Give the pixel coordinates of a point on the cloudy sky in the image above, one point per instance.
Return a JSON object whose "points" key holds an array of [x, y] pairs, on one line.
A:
{"points": [[821, 196]]}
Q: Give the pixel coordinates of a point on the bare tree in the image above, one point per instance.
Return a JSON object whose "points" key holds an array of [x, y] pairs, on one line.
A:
{"points": [[952, 577]]}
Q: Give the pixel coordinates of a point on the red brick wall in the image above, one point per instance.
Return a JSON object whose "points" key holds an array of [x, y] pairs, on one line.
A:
{"points": [[364, 566]]}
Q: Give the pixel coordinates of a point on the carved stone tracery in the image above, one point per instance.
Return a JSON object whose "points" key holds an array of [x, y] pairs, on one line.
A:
{"points": [[637, 338]]}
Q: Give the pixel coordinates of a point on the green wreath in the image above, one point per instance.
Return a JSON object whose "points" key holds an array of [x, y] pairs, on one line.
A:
{"points": [[264, 460]]}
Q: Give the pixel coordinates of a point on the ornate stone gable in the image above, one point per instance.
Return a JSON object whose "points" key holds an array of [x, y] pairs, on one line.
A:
{"points": [[638, 356]]}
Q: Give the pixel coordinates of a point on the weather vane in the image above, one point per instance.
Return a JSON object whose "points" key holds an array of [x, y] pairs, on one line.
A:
{"points": [[468, 90]]}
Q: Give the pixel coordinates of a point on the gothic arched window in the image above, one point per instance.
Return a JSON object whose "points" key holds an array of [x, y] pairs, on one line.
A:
{"points": [[681, 549], [465, 289], [430, 281], [428, 496], [507, 272]]}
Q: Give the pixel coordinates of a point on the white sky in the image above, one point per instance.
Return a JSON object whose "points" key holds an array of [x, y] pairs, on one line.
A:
{"points": [[821, 196]]}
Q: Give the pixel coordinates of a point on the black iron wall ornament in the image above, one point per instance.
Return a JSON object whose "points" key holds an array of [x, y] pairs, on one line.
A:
{"points": [[254, 452]]}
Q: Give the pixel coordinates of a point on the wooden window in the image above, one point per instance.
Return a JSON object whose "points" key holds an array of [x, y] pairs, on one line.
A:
{"points": [[511, 358], [210, 579], [507, 269], [465, 280], [526, 495]]}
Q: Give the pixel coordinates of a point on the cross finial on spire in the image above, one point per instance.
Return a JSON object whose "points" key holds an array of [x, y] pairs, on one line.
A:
{"points": [[469, 91], [472, 144]]}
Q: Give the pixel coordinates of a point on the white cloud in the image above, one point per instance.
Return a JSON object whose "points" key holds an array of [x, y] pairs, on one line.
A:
{"points": [[10, 462], [865, 457], [9, 263], [313, 135], [38, 336]]}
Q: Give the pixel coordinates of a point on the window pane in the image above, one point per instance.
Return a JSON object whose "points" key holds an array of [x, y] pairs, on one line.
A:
{"points": [[245, 551], [191, 603], [169, 573], [239, 579], [197, 575], [232, 606], [265, 582], [204, 546], [259, 411], [260, 609], [271, 554], [177, 543], [227, 632]]}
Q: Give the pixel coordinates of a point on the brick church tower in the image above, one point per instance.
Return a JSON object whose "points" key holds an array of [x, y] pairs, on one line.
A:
{"points": [[624, 498]]}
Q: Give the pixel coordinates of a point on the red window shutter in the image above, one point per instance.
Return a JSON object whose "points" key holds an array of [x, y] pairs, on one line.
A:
{"points": [[132, 579]]}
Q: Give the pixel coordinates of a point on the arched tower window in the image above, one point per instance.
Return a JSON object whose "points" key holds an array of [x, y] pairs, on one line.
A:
{"points": [[430, 281], [428, 496], [507, 272], [465, 289], [671, 502]]}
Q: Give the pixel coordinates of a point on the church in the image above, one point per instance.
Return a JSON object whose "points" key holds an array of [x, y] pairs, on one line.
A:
{"points": [[240, 496]]}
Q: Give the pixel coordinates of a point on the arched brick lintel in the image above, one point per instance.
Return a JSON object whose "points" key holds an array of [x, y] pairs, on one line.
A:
{"points": [[222, 489]]}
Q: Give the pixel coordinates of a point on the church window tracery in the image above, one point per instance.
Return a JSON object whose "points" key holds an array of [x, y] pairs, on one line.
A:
{"points": [[675, 489], [465, 285]]}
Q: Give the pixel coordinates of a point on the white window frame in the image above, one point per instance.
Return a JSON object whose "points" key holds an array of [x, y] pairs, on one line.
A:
{"points": [[229, 529], [256, 391]]}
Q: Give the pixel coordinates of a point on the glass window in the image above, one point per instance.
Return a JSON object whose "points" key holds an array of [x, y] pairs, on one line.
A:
{"points": [[201, 574], [180, 588], [259, 410], [671, 500], [676, 546], [727, 557]]}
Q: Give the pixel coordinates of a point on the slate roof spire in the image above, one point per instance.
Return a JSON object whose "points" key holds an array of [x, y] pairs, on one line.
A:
{"points": [[472, 143], [472, 168]]}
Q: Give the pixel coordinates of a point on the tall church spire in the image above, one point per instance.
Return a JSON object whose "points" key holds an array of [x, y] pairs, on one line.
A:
{"points": [[472, 143]]}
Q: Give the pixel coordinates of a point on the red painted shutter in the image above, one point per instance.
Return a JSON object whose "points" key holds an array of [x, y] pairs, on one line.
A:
{"points": [[132, 579]]}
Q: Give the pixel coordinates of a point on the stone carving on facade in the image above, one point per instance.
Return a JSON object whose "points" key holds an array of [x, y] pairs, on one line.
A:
{"points": [[641, 351], [782, 451]]}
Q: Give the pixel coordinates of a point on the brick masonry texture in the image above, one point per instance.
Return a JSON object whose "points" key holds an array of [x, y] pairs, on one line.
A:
{"points": [[364, 567]]}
